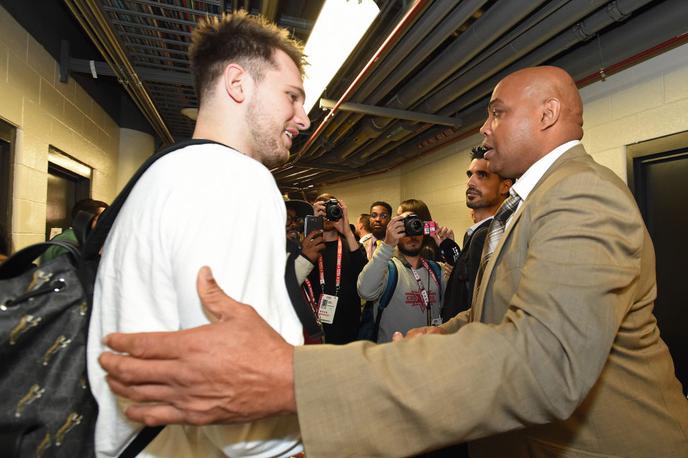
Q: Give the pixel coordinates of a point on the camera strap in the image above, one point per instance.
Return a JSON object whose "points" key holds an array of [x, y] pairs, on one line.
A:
{"points": [[423, 293]]}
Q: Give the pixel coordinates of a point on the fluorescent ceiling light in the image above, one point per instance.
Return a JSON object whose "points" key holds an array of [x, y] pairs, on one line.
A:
{"points": [[336, 32]]}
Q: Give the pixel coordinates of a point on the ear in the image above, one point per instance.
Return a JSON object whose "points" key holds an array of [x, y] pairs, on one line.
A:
{"points": [[551, 108], [235, 79], [505, 185]]}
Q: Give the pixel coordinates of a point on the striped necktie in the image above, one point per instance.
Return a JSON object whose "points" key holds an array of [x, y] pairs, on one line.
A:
{"points": [[498, 224], [495, 232]]}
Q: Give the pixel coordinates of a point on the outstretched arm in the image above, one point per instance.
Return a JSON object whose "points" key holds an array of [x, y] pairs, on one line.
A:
{"points": [[236, 369]]}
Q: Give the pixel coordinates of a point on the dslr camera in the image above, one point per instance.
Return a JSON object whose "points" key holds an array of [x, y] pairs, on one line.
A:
{"points": [[413, 225], [333, 211]]}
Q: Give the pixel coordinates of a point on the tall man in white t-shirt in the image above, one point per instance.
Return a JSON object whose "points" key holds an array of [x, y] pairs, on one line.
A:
{"points": [[189, 210]]}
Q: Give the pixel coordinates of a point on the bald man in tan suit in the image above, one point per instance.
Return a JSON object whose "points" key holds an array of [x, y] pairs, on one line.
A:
{"points": [[560, 355]]}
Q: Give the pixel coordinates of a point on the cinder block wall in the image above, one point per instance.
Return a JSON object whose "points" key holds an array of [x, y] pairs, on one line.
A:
{"points": [[641, 103], [47, 112], [647, 101]]}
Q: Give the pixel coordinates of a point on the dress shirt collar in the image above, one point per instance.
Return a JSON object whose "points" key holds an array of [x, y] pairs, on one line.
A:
{"points": [[532, 176], [472, 229]]}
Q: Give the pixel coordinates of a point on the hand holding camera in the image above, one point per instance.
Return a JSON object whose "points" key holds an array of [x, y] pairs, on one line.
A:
{"points": [[395, 230], [335, 211]]}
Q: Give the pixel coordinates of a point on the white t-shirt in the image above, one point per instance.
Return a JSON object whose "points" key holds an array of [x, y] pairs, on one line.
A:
{"points": [[200, 205]]}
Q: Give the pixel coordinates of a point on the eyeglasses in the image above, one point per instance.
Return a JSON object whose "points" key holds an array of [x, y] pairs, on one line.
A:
{"points": [[379, 215]]}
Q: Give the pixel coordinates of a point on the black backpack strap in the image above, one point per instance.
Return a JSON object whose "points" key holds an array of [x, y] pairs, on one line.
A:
{"points": [[22, 260], [141, 441], [390, 286], [96, 239], [301, 307], [82, 226]]}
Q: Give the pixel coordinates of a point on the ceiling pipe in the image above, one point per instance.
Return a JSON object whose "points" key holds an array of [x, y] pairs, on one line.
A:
{"points": [[439, 32], [580, 32], [509, 52], [268, 8], [425, 32], [398, 31], [391, 14], [93, 22], [505, 42], [494, 21], [519, 47], [665, 21]]}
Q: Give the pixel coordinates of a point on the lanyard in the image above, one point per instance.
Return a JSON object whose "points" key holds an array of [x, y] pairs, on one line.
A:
{"points": [[338, 277], [423, 292], [310, 296]]}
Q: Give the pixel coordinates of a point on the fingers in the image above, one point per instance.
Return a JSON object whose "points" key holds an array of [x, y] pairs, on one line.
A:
{"points": [[215, 302], [319, 209], [397, 336], [165, 414], [415, 332], [142, 393], [314, 235], [147, 345], [130, 370], [154, 415]]}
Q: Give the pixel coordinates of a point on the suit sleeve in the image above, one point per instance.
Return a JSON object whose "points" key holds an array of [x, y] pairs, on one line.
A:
{"points": [[535, 366]]}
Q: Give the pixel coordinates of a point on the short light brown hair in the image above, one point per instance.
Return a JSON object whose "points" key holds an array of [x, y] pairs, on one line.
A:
{"points": [[250, 41]]}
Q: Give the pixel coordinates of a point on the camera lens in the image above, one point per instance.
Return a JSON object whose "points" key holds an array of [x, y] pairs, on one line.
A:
{"points": [[333, 211], [413, 225]]}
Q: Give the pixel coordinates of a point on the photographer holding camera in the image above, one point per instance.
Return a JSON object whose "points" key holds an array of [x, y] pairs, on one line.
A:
{"points": [[331, 286], [406, 287]]}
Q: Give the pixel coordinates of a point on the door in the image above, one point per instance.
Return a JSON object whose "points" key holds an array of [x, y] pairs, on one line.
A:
{"points": [[7, 133], [68, 182], [661, 188]]}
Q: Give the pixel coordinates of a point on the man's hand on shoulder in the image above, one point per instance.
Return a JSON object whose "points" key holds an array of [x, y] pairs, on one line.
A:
{"points": [[415, 332], [236, 369]]}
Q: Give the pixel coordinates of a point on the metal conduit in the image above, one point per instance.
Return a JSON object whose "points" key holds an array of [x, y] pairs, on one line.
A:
{"points": [[89, 15], [519, 47], [582, 62], [347, 119], [408, 18], [474, 40], [434, 27]]}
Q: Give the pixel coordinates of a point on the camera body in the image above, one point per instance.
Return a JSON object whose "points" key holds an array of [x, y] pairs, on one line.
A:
{"points": [[413, 225], [333, 211]]}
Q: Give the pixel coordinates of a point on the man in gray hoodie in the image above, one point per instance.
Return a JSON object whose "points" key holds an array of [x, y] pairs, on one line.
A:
{"points": [[414, 297]]}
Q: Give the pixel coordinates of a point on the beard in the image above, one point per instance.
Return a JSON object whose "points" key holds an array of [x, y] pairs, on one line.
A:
{"points": [[266, 135], [379, 234], [410, 252]]}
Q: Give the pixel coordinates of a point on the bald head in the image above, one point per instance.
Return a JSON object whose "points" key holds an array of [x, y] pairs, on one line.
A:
{"points": [[531, 112], [543, 84]]}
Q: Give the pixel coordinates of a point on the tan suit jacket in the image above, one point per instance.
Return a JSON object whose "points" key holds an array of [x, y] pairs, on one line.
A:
{"points": [[559, 357]]}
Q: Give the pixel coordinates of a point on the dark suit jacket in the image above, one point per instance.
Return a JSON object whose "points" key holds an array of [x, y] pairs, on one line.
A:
{"points": [[459, 293], [560, 354]]}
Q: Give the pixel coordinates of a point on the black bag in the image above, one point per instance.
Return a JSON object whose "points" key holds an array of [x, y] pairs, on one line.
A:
{"points": [[47, 409]]}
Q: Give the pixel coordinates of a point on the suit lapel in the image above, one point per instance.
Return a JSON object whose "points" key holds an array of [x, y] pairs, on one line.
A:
{"points": [[479, 295]]}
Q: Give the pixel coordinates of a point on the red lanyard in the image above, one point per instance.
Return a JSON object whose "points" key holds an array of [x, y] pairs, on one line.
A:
{"points": [[423, 292], [310, 296], [338, 277]]}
